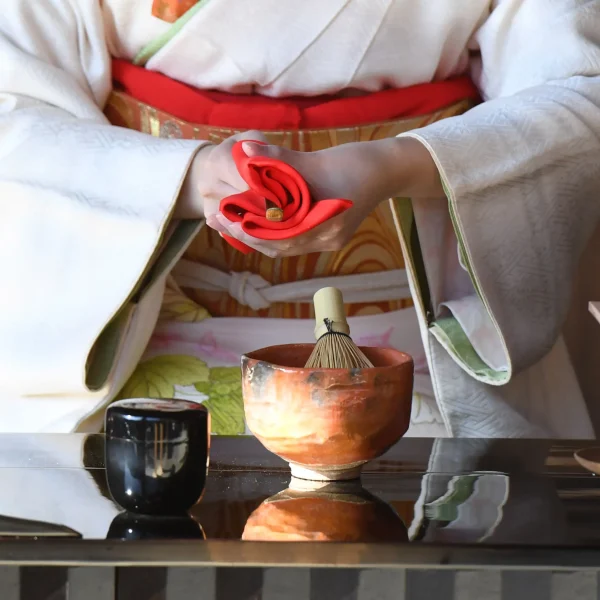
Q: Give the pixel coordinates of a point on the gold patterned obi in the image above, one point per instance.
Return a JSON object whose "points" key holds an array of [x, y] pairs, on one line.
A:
{"points": [[375, 247]]}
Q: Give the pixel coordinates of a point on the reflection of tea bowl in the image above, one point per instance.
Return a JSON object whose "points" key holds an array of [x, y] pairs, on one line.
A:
{"points": [[326, 422], [337, 512]]}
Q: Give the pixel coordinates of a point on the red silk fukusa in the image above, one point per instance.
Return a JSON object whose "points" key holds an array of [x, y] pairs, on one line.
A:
{"points": [[274, 183]]}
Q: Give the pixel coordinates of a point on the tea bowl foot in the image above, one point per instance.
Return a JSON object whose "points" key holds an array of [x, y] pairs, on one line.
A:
{"points": [[325, 474]]}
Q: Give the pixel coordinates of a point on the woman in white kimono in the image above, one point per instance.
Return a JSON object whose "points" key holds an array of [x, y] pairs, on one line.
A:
{"points": [[96, 216]]}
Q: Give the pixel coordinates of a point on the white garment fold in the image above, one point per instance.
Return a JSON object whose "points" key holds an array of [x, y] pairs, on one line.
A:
{"points": [[478, 327], [320, 48], [83, 206]]}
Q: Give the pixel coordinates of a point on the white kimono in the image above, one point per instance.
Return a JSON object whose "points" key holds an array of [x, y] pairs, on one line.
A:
{"points": [[85, 205]]}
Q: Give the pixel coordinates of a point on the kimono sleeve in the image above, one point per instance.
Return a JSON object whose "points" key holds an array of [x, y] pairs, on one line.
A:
{"points": [[521, 173], [84, 206]]}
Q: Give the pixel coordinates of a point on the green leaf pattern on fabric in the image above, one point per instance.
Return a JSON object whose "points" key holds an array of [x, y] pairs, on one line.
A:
{"points": [[158, 377], [177, 307], [224, 391]]}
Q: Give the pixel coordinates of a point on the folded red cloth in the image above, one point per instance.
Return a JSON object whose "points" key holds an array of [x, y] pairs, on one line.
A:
{"points": [[274, 181]]}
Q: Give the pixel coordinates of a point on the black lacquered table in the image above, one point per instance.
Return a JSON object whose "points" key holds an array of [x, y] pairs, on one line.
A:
{"points": [[430, 519]]}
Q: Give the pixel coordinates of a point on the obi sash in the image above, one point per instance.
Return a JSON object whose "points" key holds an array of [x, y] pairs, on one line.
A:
{"points": [[229, 283]]}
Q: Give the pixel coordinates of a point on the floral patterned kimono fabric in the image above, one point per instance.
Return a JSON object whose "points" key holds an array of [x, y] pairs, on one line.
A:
{"points": [[187, 356]]}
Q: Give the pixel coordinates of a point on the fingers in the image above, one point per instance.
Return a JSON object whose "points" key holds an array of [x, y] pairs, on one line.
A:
{"points": [[254, 135], [229, 172], [270, 150], [213, 222], [231, 175], [212, 193], [235, 231], [272, 249], [327, 237]]}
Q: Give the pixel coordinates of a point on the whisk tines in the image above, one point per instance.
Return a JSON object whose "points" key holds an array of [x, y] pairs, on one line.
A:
{"points": [[334, 348]]}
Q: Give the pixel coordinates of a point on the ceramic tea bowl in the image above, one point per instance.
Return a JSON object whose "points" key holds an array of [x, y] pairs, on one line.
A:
{"points": [[327, 423], [325, 512]]}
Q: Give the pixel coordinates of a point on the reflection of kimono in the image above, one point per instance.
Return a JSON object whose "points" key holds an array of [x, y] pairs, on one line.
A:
{"points": [[43, 479], [87, 241], [478, 494]]}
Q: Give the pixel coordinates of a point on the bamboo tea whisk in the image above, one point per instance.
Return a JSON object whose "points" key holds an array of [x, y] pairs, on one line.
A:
{"points": [[334, 348]]}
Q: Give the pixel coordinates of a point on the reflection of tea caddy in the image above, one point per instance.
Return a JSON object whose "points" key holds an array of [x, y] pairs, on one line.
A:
{"points": [[157, 454], [129, 526]]}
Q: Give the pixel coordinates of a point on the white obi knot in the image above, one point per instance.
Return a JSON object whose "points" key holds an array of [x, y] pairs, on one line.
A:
{"points": [[253, 291], [246, 288]]}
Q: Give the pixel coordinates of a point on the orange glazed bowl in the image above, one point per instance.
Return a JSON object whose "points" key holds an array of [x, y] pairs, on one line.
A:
{"points": [[327, 423]]}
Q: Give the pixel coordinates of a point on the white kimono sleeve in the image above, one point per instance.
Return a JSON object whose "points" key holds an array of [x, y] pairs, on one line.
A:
{"points": [[522, 177], [84, 205]]}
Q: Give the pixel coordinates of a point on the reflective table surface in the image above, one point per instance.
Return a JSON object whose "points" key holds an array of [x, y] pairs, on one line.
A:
{"points": [[425, 503]]}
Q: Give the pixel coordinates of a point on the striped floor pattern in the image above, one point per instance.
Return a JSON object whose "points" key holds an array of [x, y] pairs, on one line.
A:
{"points": [[29, 583]]}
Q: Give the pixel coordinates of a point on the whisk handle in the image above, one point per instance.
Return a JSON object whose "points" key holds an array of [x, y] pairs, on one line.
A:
{"points": [[330, 315]]}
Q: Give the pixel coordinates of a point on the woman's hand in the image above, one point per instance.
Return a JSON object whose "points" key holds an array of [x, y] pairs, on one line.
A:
{"points": [[211, 177], [364, 172]]}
